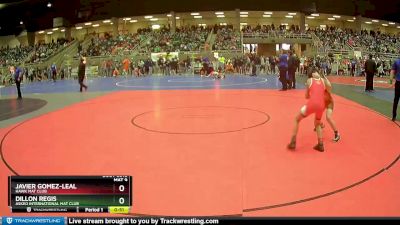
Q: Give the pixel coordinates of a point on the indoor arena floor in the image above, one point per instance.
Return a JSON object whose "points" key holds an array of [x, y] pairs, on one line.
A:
{"points": [[204, 147]]}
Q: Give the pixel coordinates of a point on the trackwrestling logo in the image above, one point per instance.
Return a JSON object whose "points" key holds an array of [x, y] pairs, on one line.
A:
{"points": [[33, 220]]}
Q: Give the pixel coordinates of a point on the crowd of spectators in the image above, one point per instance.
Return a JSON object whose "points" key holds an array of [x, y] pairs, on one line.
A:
{"points": [[109, 45], [335, 38], [194, 38], [30, 54], [351, 66], [9, 56], [332, 38], [369, 41], [148, 40], [263, 29], [226, 38], [42, 51], [376, 42], [184, 39]]}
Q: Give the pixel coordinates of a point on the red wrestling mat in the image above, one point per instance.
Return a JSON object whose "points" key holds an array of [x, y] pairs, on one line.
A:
{"points": [[216, 152], [359, 81]]}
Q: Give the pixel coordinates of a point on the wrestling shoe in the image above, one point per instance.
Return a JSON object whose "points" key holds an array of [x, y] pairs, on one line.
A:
{"points": [[319, 147], [336, 138], [292, 145]]}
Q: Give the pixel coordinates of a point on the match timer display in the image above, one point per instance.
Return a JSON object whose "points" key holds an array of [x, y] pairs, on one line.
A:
{"points": [[89, 194]]}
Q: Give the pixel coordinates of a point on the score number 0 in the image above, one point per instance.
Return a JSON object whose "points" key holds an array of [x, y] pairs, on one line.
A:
{"points": [[121, 200]]}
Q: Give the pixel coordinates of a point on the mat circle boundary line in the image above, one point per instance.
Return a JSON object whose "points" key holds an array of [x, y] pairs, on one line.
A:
{"points": [[268, 118]]}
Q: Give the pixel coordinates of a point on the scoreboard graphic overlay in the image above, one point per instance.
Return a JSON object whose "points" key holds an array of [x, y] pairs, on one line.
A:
{"points": [[89, 194]]}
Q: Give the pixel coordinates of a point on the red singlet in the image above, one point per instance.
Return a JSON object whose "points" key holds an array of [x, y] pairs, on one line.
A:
{"points": [[316, 103]]}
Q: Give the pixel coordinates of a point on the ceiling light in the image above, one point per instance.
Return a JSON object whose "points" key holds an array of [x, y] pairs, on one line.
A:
{"points": [[126, 19], [153, 19], [336, 16], [21, 22], [198, 17], [292, 14], [96, 25], [266, 15], [78, 28], [315, 14], [133, 21], [375, 21], [219, 13], [289, 16], [177, 17], [88, 24], [220, 16], [284, 24], [331, 18], [244, 13], [368, 22], [350, 20], [384, 24], [391, 23], [195, 14], [106, 21], [49, 5], [398, 26], [148, 17], [310, 17], [49, 32], [169, 15], [54, 29], [41, 32], [63, 30]]}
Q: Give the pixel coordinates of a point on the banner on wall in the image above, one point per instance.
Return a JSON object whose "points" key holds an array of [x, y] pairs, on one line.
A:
{"points": [[74, 72], [216, 55], [92, 70], [156, 56], [357, 54], [338, 56]]}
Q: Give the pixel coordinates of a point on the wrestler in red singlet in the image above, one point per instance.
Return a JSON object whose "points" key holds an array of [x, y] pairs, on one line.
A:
{"points": [[316, 103], [316, 96]]}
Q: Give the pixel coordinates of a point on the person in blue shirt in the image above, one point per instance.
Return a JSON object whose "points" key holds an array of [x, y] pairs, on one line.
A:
{"points": [[395, 73], [283, 69], [17, 75], [353, 67], [54, 71]]}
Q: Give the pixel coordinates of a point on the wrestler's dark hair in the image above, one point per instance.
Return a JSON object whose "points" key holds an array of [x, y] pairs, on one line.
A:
{"points": [[311, 71]]}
